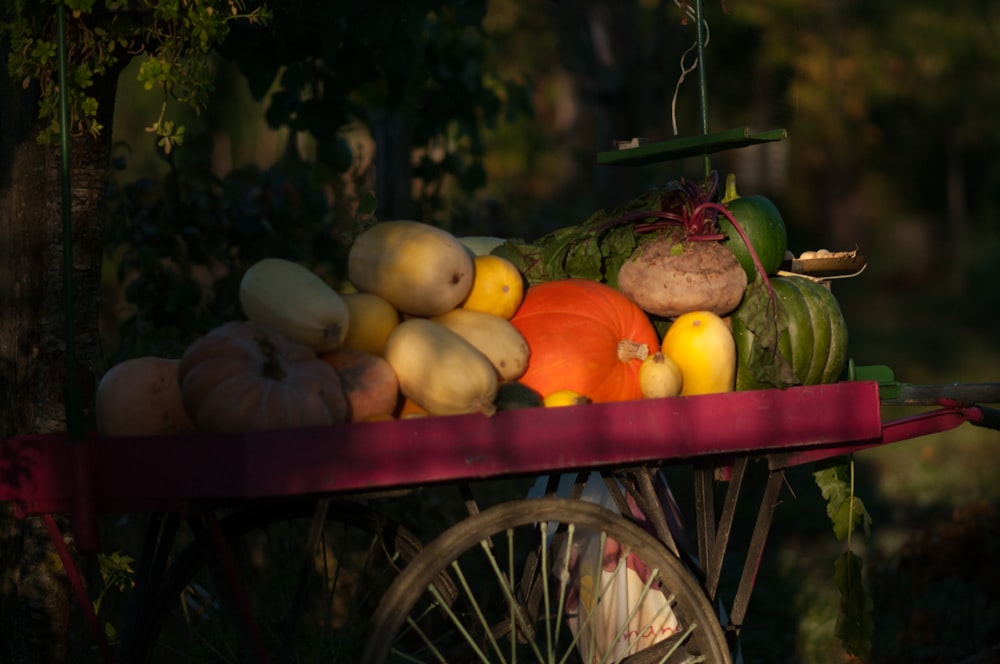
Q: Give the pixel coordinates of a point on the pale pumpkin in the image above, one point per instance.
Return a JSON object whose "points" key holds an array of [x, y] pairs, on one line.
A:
{"points": [[295, 301], [439, 370], [494, 336], [584, 336], [246, 377], [420, 269], [141, 397], [702, 345]]}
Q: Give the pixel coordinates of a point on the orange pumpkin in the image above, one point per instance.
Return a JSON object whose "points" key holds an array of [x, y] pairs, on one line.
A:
{"points": [[247, 377], [584, 336]]}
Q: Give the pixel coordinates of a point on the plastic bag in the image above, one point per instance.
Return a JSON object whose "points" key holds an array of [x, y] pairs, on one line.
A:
{"points": [[612, 606]]}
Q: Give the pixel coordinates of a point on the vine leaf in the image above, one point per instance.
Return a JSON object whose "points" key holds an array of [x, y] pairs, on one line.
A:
{"points": [[846, 511], [766, 363]]}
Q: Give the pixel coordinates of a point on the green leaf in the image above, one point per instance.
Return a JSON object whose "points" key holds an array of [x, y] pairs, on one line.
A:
{"points": [[766, 322], [846, 511], [854, 619]]}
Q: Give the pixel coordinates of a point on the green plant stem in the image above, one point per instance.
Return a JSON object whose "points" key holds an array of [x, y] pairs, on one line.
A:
{"points": [[850, 529]]}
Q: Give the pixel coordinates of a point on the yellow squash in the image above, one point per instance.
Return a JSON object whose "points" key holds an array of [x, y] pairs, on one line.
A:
{"points": [[420, 269], [494, 336], [702, 345], [372, 320], [498, 287], [295, 301], [439, 370], [561, 398]]}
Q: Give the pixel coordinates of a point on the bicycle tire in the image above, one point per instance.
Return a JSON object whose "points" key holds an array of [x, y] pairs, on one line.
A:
{"points": [[410, 624], [189, 623]]}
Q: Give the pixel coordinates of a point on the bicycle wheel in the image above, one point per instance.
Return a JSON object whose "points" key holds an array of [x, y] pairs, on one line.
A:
{"points": [[546, 580], [307, 604]]}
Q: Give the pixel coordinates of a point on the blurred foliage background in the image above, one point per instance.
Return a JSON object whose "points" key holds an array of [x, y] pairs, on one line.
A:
{"points": [[486, 119]]}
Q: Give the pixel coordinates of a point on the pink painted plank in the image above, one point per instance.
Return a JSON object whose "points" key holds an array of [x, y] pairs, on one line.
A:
{"points": [[136, 474], [914, 426]]}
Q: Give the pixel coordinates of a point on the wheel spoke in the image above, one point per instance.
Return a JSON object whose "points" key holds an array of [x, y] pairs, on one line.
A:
{"points": [[547, 575]]}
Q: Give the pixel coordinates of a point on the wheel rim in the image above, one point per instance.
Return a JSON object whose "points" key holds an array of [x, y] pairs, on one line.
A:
{"points": [[637, 597]]}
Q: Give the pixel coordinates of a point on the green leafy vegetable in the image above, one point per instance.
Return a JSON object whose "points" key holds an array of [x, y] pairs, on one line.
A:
{"points": [[598, 247], [760, 316]]}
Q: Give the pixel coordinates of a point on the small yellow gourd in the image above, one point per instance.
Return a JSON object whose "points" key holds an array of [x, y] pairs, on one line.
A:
{"points": [[498, 287], [293, 300], [493, 336], [439, 370], [659, 376], [420, 269], [372, 320], [565, 398], [702, 345]]}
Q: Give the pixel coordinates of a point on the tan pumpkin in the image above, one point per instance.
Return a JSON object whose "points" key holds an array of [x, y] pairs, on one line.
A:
{"points": [[246, 377], [141, 397]]}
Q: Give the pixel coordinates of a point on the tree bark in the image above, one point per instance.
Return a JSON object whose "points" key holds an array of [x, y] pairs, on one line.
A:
{"points": [[34, 597]]}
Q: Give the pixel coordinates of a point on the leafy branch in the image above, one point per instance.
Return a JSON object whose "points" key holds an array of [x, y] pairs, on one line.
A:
{"points": [[176, 39]]}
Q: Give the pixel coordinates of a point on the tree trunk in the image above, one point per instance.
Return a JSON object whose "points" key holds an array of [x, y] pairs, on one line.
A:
{"points": [[34, 598], [393, 134]]}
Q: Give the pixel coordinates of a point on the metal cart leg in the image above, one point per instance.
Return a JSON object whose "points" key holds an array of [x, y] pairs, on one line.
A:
{"points": [[160, 533], [223, 567], [755, 552]]}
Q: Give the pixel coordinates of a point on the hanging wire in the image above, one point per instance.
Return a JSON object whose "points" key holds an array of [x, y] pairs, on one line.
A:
{"points": [[685, 70], [73, 397], [702, 80], [701, 29]]}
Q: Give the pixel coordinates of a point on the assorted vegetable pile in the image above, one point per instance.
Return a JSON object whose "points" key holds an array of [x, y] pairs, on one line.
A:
{"points": [[676, 293]]}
